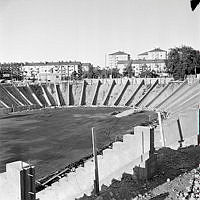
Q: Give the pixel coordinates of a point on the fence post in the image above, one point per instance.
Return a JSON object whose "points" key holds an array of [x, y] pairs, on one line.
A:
{"points": [[180, 133], [152, 146], [96, 181]]}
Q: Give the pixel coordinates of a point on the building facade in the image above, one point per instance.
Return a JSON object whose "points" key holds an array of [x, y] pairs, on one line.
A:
{"points": [[50, 71], [153, 60], [116, 58]]}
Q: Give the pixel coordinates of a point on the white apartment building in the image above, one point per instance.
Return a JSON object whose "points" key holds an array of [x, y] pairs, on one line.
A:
{"points": [[150, 60], [50, 71], [154, 54], [115, 58]]}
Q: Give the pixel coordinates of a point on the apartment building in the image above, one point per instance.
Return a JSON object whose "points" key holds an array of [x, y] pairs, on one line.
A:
{"points": [[118, 57], [50, 71], [153, 60]]}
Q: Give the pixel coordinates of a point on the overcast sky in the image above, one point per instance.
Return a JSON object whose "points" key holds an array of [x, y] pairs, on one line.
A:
{"points": [[86, 30]]}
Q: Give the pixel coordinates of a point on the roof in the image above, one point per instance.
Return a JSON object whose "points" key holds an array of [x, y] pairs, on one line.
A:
{"points": [[153, 50], [157, 50], [118, 53], [143, 54], [52, 63]]}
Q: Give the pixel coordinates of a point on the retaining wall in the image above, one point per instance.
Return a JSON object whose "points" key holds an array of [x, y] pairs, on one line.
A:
{"points": [[112, 164]]}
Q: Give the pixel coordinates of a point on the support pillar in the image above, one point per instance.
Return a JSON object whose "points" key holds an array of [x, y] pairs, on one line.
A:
{"points": [[161, 130], [19, 183]]}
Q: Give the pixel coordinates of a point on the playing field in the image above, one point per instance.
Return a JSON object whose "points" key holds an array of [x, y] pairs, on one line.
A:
{"points": [[52, 138]]}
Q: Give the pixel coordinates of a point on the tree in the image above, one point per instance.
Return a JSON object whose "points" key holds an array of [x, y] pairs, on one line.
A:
{"points": [[115, 73], [183, 61], [128, 71], [74, 75], [80, 73], [148, 74]]}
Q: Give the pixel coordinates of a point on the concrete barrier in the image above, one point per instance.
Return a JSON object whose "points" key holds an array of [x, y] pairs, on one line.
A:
{"points": [[191, 102], [134, 93], [122, 157], [34, 96], [12, 96], [147, 93], [103, 91], [57, 97], [158, 95], [94, 99], [60, 95], [4, 104], [18, 182], [45, 96], [118, 99], [23, 96], [173, 96], [188, 94], [83, 95], [106, 99]]}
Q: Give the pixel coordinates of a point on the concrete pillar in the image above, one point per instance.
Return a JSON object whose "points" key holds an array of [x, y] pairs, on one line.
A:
{"points": [[45, 96], [107, 97], [134, 93], [117, 101], [94, 100], [23, 95], [147, 93], [4, 104], [57, 97], [161, 130], [18, 182], [34, 96], [15, 99], [82, 99]]}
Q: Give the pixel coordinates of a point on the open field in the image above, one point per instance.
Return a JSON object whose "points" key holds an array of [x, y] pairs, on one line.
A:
{"points": [[53, 138]]}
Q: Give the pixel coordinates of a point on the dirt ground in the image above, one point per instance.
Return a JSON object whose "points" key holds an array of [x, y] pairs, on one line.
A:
{"points": [[177, 177]]}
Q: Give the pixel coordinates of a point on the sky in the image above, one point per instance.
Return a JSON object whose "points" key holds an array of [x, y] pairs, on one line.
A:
{"points": [[89, 30]]}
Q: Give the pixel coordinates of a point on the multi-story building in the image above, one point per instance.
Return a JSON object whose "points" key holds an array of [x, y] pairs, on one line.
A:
{"points": [[50, 71], [153, 60], [115, 58]]}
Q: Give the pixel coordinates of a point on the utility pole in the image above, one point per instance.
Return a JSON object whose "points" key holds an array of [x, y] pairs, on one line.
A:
{"points": [[96, 181]]}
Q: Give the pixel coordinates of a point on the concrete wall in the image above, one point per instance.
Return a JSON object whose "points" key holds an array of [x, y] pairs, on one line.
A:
{"points": [[177, 93], [6, 98], [17, 94], [37, 90], [90, 90], [112, 164], [52, 92], [76, 93], [103, 91], [17, 183], [27, 94], [133, 80], [64, 89], [49, 96], [64, 93], [115, 93]]}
